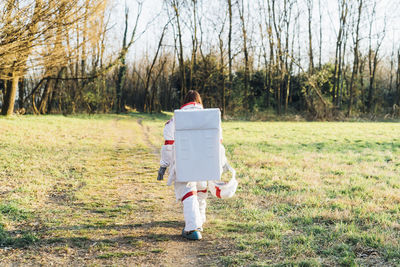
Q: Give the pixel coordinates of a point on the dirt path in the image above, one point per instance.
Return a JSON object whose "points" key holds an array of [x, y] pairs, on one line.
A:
{"points": [[178, 251]]}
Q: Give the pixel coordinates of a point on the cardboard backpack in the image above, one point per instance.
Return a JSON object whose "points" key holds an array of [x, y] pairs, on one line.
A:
{"points": [[199, 155]]}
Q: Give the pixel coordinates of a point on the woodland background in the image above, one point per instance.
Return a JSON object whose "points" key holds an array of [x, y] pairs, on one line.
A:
{"points": [[321, 59]]}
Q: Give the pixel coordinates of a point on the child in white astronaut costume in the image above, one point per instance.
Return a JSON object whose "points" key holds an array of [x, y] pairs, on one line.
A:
{"points": [[193, 195]]}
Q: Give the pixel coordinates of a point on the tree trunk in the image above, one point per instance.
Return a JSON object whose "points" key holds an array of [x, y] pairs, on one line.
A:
{"points": [[338, 55], [343, 72], [194, 46], [246, 57], [45, 96], [279, 60], [288, 56], [21, 93], [122, 68], [9, 98], [180, 54], [361, 72], [271, 60], [230, 47], [221, 70], [310, 49], [391, 73], [320, 35], [371, 82], [398, 78]]}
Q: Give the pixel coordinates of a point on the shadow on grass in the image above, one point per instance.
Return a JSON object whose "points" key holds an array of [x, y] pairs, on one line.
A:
{"points": [[342, 146], [129, 240], [26, 238], [147, 116]]}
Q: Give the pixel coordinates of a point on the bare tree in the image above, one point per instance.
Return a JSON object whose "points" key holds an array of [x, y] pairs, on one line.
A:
{"points": [[356, 41], [343, 12], [149, 102], [398, 77], [320, 35], [122, 56], [194, 44], [373, 58], [230, 46], [176, 5], [310, 50], [245, 53], [362, 61], [288, 8], [265, 20], [281, 20], [222, 63], [279, 53]]}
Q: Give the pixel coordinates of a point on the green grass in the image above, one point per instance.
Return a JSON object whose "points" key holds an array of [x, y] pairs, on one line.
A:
{"points": [[310, 193], [328, 192]]}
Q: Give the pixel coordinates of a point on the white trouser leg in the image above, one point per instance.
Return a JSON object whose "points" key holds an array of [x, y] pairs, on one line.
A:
{"points": [[191, 211], [201, 197]]}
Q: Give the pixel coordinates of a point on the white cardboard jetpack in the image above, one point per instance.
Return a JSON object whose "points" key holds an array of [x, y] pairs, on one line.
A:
{"points": [[197, 145]]}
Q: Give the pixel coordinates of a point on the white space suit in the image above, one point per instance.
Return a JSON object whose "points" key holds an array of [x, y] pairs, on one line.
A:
{"points": [[193, 195]]}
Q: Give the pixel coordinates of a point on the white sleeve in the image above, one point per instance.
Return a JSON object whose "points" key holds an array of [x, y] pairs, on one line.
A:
{"points": [[223, 159], [169, 130], [166, 155], [168, 149]]}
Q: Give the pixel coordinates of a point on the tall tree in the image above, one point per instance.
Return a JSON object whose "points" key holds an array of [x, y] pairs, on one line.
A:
{"points": [[122, 56], [266, 30], [19, 63], [398, 78], [177, 8], [194, 44], [149, 99], [320, 35], [373, 58], [279, 53], [356, 41], [343, 12], [230, 47], [310, 49], [241, 10], [288, 10], [222, 63]]}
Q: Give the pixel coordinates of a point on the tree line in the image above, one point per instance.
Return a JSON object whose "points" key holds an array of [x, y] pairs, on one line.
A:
{"points": [[242, 56]]}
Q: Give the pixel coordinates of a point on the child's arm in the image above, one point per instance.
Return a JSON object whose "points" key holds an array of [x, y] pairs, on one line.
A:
{"points": [[167, 149]]}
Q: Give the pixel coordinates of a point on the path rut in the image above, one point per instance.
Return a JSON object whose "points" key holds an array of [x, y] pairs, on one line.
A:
{"points": [[178, 251]]}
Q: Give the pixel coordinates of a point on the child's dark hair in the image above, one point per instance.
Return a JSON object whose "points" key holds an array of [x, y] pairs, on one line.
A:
{"points": [[193, 96]]}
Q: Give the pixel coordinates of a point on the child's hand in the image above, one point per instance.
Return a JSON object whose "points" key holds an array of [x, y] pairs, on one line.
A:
{"points": [[161, 172]]}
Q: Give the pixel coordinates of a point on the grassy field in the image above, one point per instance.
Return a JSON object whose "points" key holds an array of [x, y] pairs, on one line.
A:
{"points": [[82, 191]]}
